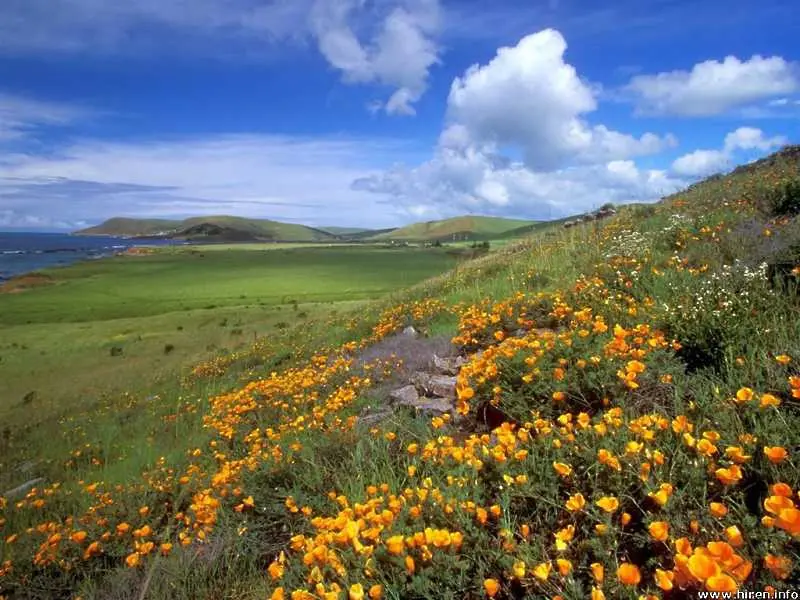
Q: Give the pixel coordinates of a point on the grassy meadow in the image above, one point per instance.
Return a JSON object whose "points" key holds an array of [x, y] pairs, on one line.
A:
{"points": [[645, 368]]}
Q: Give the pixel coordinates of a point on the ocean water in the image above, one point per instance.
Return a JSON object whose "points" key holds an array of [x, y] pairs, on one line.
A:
{"points": [[22, 252]]}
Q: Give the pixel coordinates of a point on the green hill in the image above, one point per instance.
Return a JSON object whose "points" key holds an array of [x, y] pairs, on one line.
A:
{"points": [[347, 231], [467, 227], [218, 227], [122, 226]]}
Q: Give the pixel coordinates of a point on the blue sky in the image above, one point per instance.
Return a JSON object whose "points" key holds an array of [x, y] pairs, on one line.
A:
{"points": [[380, 112]]}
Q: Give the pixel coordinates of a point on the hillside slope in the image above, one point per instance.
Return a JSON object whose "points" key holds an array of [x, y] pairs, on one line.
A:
{"points": [[621, 423], [457, 228], [223, 226]]}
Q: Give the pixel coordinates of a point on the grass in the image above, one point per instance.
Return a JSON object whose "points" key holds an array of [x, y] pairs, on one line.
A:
{"points": [[288, 232], [648, 447], [466, 227], [190, 279]]}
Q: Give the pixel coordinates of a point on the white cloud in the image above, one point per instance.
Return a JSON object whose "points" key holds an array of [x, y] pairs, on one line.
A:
{"points": [[707, 162], [284, 178], [527, 98], [390, 43], [19, 116], [701, 162], [751, 138], [400, 53], [713, 87]]}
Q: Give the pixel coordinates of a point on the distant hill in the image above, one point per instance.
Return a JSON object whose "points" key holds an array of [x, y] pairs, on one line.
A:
{"points": [[121, 226], [458, 228], [223, 228], [212, 228], [347, 230]]}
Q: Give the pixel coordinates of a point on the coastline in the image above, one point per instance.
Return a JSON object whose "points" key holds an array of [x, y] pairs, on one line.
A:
{"points": [[23, 254]]}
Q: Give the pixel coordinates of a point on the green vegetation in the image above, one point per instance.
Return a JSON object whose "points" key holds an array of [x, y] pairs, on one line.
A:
{"points": [[455, 229], [58, 339], [624, 425], [261, 229]]}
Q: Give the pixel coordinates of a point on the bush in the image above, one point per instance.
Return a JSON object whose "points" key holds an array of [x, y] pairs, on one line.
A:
{"points": [[785, 200]]}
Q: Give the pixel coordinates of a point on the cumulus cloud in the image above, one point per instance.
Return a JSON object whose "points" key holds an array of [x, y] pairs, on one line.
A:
{"points": [[285, 178], [713, 87], [707, 162], [528, 96], [390, 43], [529, 99]]}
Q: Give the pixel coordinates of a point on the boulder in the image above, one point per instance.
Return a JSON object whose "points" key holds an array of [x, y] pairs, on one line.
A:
{"points": [[449, 365], [404, 395], [410, 332], [23, 489], [430, 405], [435, 385]]}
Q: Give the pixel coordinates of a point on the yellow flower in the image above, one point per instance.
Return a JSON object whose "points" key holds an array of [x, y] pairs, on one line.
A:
{"points": [[730, 475], [542, 571], [783, 359], [598, 572], [395, 544], [608, 503], [659, 530], [564, 566], [275, 570], [491, 586], [133, 560], [376, 592], [78, 537], [744, 394], [597, 594], [576, 503], [775, 454], [562, 469], [664, 579], [628, 574], [734, 536], [410, 565], [518, 569], [356, 592], [768, 400], [717, 509]]}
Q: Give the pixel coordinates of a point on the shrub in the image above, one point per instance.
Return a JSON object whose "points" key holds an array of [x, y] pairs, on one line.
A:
{"points": [[168, 348], [785, 200]]}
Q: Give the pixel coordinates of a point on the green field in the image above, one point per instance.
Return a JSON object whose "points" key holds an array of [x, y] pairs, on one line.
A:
{"points": [[197, 278], [173, 308]]}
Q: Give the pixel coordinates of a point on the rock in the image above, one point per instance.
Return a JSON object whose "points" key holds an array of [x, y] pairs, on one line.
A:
{"points": [[430, 405], [404, 395], [449, 365], [369, 418], [23, 489], [410, 332], [435, 385]]}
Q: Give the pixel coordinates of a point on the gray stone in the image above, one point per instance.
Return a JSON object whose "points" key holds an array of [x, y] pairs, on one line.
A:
{"points": [[404, 395], [430, 405], [410, 332], [448, 365], [23, 489], [435, 385]]}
